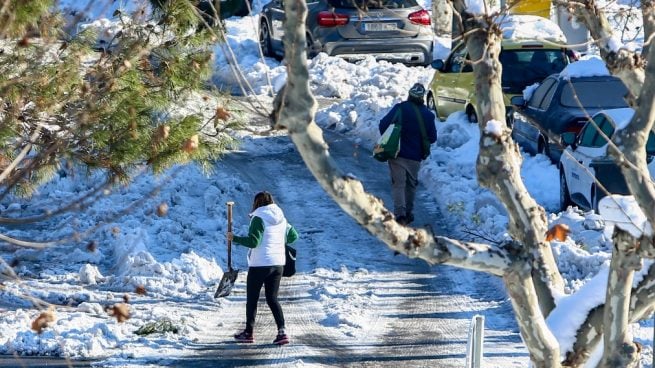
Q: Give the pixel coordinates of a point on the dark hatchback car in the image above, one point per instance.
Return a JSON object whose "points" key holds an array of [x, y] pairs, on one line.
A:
{"points": [[392, 30], [561, 104]]}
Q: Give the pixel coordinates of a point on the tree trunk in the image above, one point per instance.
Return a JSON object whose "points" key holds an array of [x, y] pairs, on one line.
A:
{"points": [[542, 345], [499, 162], [619, 349], [442, 17]]}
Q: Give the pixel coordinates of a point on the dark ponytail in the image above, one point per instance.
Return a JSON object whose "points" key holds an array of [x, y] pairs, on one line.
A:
{"points": [[262, 199]]}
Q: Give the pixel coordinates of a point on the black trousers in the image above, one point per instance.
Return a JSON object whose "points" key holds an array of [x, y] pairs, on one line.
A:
{"points": [[269, 277]]}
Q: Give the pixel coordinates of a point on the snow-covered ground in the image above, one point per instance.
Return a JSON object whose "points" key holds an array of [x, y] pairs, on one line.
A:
{"points": [[175, 257]]}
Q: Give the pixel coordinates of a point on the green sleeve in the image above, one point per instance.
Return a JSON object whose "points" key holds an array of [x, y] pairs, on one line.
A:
{"points": [[292, 235], [255, 234]]}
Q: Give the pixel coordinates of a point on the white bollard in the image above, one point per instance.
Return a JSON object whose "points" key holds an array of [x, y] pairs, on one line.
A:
{"points": [[475, 342]]}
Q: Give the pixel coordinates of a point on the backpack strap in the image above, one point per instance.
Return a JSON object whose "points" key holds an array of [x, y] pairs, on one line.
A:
{"points": [[398, 117], [421, 124]]}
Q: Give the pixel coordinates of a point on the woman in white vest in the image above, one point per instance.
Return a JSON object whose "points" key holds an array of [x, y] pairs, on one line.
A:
{"points": [[267, 235]]}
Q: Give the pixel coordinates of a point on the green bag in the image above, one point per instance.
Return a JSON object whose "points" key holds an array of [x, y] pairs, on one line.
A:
{"points": [[388, 145]]}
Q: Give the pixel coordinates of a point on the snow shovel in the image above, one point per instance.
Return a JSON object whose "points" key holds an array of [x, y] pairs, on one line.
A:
{"points": [[229, 277]]}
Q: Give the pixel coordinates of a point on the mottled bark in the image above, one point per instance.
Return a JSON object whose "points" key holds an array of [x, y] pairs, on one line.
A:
{"points": [[526, 265], [589, 334], [542, 345], [629, 150], [296, 112], [619, 350], [499, 160], [648, 15], [442, 17]]}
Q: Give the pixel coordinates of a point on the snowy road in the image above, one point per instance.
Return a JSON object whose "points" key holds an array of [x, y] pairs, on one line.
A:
{"points": [[352, 303], [403, 312]]}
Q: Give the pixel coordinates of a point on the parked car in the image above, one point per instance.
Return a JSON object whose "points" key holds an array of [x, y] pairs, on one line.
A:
{"points": [[586, 169], [226, 9], [524, 62], [392, 30], [561, 104]]}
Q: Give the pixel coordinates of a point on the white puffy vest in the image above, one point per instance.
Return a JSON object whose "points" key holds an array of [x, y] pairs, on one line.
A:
{"points": [[270, 252]]}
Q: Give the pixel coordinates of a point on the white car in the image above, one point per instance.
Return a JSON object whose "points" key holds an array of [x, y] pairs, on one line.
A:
{"points": [[587, 171]]}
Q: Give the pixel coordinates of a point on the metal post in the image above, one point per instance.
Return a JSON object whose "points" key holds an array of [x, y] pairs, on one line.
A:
{"points": [[474, 351]]}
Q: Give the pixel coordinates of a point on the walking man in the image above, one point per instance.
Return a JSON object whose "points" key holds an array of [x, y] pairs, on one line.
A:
{"points": [[418, 132]]}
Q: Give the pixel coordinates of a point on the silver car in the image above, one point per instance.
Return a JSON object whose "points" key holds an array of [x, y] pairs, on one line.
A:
{"points": [[392, 30]]}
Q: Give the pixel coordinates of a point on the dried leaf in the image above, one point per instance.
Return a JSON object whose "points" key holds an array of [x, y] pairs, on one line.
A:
{"points": [[163, 132], [120, 311], [191, 144], [92, 246], [24, 42], [140, 290], [162, 209], [126, 298], [222, 114], [558, 232], [44, 320]]}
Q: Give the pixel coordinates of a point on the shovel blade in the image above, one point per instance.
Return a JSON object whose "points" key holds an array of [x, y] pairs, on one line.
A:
{"points": [[226, 284]]}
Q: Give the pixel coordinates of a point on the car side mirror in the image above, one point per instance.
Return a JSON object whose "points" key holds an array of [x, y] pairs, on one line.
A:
{"points": [[438, 64], [518, 101], [568, 139]]}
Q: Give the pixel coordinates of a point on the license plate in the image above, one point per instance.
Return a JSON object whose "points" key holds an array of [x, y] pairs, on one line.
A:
{"points": [[380, 27]]}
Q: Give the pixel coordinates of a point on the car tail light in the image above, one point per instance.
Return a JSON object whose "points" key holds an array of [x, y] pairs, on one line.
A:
{"points": [[575, 127], [331, 19], [421, 17]]}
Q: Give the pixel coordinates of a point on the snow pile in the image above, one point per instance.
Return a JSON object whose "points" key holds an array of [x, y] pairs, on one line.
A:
{"points": [[136, 267], [625, 213], [587, 66], [177, 256], [532, 27], [529, 90], [481, 7]]}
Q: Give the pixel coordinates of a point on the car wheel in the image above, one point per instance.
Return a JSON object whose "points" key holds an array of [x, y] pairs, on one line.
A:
{"points": [[564, 195], [432, 105], [543, 148], [246, 5], [471, 115], [265, 39]]}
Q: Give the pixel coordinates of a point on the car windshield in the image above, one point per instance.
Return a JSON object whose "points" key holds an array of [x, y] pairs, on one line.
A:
{"points": [[373, 4], [584, 93], [524, 67]]}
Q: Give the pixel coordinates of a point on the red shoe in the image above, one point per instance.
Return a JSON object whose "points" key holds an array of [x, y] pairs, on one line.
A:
{"points": [[245, 337], [281, 339]]}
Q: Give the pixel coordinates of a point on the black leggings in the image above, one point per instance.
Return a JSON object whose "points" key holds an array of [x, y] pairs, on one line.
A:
{"points": [[270, 277]]}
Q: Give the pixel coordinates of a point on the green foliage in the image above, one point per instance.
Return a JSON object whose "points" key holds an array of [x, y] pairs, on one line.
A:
{"points": [[160, 326], [22, 16], [111, 110]]}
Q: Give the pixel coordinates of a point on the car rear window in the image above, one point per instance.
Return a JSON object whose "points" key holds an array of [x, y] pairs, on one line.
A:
{"points": [[606, 94], [373, 4], [524, 67]]}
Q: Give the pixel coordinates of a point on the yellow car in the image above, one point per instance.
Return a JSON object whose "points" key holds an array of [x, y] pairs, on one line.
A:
{"points": [[525, 62]]}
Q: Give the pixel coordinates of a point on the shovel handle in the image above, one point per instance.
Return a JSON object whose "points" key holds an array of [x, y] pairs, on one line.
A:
{"points": [[229, 241]]}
